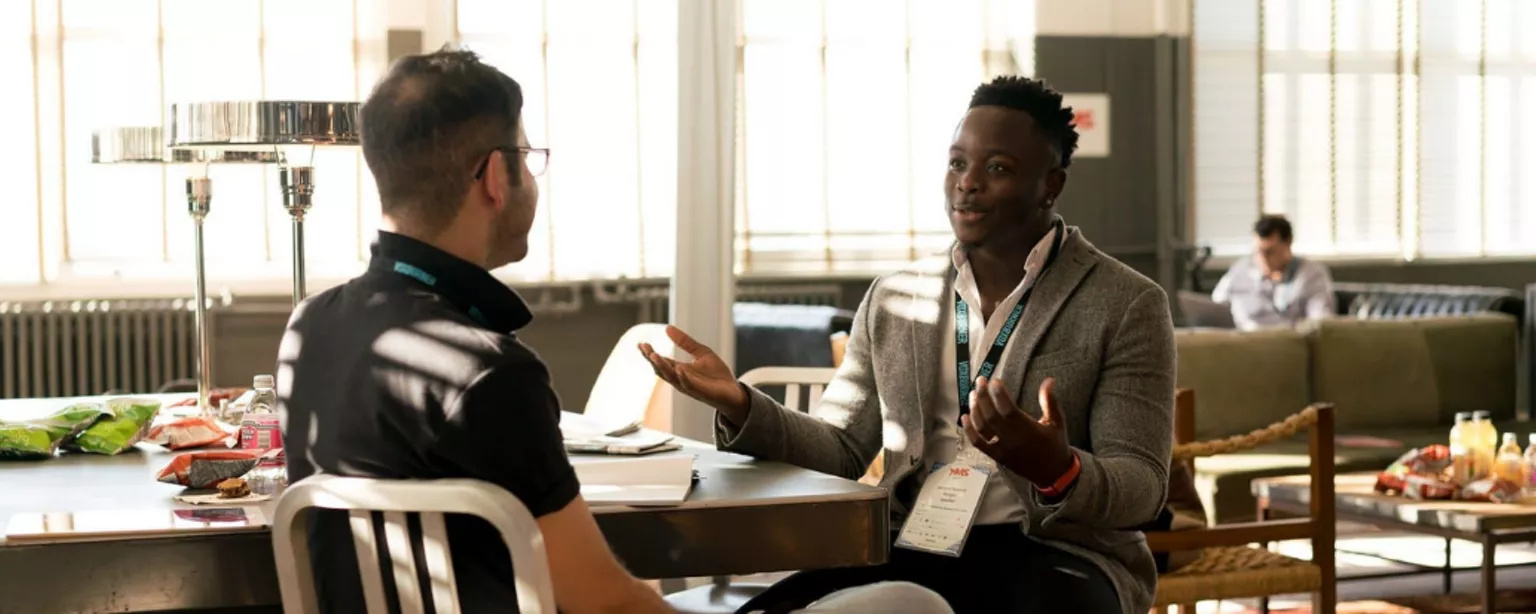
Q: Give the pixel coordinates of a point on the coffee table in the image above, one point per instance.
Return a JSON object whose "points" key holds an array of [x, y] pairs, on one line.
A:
{"points": [[1489, 524]]}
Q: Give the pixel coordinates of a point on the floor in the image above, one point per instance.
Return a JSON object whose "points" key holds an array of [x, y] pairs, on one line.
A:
{"points": [[1357, 566]]}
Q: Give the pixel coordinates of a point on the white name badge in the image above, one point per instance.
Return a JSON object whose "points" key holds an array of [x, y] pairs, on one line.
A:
{"points": [[945, 509]]}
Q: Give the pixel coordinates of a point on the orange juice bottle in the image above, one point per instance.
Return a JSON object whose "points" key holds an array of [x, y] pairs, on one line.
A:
{"points": [[1463, 460], [1485, 443], [1510, 463]]}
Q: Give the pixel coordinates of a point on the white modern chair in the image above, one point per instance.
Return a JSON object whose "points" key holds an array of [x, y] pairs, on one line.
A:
{"points": [[397, 499], [627, 390], [722, 596]]}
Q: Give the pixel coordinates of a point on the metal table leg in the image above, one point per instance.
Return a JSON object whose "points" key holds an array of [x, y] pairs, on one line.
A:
{"points": [[1490, 572]]}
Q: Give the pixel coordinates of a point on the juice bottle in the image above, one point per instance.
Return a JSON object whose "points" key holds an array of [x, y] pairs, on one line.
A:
{"points": [[1510, 463], [1529, 487], [1463, 461], [1486, 442]]}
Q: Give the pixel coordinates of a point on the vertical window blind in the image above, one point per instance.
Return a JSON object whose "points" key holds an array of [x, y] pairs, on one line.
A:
{"points": [[1381, 128]]}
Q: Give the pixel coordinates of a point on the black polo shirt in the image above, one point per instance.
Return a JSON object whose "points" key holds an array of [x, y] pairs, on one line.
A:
{"points": [[414, 371]]}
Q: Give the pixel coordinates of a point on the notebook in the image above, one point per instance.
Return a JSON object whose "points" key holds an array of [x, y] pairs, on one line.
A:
{"points": [[648, 481]]}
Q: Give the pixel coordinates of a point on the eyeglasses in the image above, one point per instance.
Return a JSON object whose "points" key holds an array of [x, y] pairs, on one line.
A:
{"points": [[537, 159]]}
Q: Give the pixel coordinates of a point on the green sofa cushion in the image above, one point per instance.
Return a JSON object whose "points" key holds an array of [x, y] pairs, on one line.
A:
{"points": [[1242, 380]]}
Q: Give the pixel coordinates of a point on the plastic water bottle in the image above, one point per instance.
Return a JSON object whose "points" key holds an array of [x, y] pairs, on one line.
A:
{"points": [[260, 430]]}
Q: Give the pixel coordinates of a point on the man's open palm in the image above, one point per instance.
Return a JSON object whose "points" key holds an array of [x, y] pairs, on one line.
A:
{"points": [[706, 377]]}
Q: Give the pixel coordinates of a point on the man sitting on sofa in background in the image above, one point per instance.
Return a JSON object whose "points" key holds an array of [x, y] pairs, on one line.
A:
{"points": [[1275, 288]]}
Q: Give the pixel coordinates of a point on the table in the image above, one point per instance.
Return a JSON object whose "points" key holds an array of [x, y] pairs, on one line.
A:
{"points": [[744, 516], [1489, 524]]}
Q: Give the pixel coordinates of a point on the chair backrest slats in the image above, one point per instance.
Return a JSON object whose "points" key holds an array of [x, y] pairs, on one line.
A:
{"points": [[391, 541], [402, 558], [367, 560], [434, 543], [814, 379]]}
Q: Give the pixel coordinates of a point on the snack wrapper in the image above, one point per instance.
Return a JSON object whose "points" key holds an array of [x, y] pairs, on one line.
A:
{"points": [[1429, 462], [194, 432], [1492, 490], [1428, 488], [204, 469], [41, 438], [127, 422]]}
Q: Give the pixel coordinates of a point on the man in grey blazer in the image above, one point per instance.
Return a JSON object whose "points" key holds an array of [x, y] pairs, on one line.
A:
{"points": [[1051, 433]]}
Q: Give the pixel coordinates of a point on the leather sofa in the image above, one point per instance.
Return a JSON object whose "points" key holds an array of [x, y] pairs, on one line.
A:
{"points": [[1386, 301], [1395, 383]]}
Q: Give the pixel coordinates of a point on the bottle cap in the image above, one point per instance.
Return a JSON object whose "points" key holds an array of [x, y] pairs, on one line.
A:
{"points": [[263, 381], [1481, 414]]}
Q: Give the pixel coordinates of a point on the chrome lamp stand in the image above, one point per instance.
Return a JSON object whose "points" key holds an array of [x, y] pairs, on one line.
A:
{"points": [[268, 126], [145, 145]]}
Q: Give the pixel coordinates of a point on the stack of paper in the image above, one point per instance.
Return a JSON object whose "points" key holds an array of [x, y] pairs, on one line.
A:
{"points": [[632, 445], [577, 426], [653, 480]]}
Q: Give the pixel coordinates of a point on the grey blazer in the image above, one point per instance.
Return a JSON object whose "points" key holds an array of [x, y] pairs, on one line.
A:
{"points": [[1101, 329]]}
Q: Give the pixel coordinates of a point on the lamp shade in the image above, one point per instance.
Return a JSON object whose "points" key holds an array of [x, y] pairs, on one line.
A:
{"points": [[146, 145], [256, 124]]}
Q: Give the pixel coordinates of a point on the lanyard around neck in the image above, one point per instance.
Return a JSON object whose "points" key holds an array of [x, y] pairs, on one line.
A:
{"points": [[963, 377]]}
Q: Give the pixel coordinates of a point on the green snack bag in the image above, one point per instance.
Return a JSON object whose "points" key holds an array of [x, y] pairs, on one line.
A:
{"points": [[127, 422], [26, 441], [72, 419], [40, 438]]}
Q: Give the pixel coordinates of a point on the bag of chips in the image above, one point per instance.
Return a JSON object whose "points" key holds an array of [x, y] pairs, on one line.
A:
{"points": [[127, 422], [205, 469], [1492, 490], [1428, 488], [194, 432], [1431, 462], [40, 438]]}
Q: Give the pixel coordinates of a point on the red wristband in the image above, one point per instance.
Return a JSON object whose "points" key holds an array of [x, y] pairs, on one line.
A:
{"points": [[1065, 481]]}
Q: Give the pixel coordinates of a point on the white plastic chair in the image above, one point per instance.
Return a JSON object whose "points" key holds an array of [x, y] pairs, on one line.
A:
{"points": [[627, 389], [815, 379], [430, 499], [721, 596]]}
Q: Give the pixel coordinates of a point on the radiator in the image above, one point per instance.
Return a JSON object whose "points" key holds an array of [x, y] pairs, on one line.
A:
{"points": [[74, 348]]}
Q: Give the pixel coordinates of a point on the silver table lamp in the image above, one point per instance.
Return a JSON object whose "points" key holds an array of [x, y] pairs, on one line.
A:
{"points": [[262, 126], [146, 145]]}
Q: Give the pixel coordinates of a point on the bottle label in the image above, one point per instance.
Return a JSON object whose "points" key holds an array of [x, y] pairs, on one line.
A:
{"points": [[262, 432]]}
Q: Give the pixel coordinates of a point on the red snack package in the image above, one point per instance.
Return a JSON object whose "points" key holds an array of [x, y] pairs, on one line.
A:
{"points": [[204, 469], [1492, 490], [1428, 487], [194, 432], [1429, 460]]}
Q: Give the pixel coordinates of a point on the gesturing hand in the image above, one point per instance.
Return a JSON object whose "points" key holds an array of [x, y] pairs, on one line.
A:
{"points": [[1034, 449], [707, 378]]}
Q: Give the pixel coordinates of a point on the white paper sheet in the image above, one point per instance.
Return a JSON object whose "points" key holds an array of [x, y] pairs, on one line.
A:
{"points": [[662, 480]]}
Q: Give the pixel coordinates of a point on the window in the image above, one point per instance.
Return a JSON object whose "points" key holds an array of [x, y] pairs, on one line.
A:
{"points": [[599, 81], [1380, 127], [84, 65], [846, 112]]}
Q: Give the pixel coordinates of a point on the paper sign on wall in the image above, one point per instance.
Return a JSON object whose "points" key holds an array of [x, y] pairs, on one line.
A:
{"points": [[1091, 113]]}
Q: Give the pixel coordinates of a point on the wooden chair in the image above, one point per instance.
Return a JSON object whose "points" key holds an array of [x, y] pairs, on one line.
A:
{"points": [[1230, 567]]}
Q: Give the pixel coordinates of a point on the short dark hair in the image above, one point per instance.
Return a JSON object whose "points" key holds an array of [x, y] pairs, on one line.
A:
{"points": [[1273, 226], [426, 126], [1042, 103]]}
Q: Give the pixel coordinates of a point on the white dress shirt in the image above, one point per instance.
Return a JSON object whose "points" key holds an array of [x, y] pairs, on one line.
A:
{"points": [[999, 504], [1305, 292]]}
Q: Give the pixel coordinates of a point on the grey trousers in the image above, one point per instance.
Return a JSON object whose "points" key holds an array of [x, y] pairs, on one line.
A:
{"points": [[884, 597]]}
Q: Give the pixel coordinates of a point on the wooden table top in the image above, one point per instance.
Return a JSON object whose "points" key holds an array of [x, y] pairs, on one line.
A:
{"points": [[1355, 496]]}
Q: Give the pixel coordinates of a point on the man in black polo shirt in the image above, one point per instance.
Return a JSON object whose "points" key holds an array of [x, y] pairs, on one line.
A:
{"points": [[414, 370]]}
